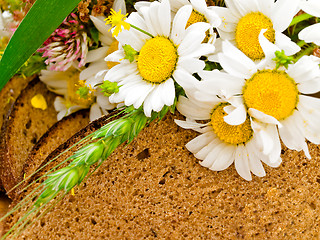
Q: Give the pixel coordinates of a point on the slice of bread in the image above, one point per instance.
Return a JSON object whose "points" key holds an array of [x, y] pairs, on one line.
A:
{"points": [[22, 128], [155, 188], [60, 132], [8, 95]]}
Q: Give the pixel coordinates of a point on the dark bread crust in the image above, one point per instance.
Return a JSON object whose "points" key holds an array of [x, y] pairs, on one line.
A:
{"points": [[8, 95], [22, 128], [60, 132], [30, 166], [154, 188]]}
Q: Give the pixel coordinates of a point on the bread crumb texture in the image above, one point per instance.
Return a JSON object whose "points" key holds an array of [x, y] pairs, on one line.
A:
{"points": [[22, 130], [155, 188]]}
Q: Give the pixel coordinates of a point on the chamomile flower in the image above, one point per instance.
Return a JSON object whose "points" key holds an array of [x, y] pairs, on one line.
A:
{"points": [[243, 20], [97, 67], [221, 144], [271, 95], [169, 53], [75, 93], [311, 33], [200, 13]]}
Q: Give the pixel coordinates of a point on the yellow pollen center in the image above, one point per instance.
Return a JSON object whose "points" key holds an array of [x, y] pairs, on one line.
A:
{"points": [[157, 59], [73, 85], [195, 17], [271, 92], [247, 34], [113, 47], [231, 134]]}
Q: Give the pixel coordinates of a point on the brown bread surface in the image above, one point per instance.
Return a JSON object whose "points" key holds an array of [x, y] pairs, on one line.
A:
{"points": [[155, 189], [22, 128], [60, 132], [8, 95]]}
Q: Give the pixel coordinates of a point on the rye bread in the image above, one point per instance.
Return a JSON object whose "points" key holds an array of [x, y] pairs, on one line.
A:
{"points": [[8, 95], [60, 132], [155, 188], [22, 128]]}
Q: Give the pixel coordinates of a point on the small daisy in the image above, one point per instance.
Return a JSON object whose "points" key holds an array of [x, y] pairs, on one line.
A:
{"points": [[200, 13], [221, 144], [96, 70], [243, 20], [76, 94], [169, 53], [311, 33], [271, 95]]}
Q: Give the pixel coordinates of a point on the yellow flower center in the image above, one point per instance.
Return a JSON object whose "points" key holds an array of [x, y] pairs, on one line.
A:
{"points": [[247, 34], [196, 17], [272, 92], [73, 98], [231, 134], [113, 47], [157, 59]]}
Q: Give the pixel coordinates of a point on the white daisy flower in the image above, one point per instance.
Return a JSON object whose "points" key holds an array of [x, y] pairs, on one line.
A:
{"points": [[221, 144], [96, 70], [68, 84], [170, 55], [311, 33], [270, 95], [200, 13], [243, 20]]}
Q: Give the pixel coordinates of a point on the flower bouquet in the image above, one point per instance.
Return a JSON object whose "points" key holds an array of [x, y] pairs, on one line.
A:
{"points": [[242, 73]]}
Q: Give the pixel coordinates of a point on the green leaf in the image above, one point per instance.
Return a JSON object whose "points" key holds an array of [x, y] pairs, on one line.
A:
{"points": [[42, 19]]}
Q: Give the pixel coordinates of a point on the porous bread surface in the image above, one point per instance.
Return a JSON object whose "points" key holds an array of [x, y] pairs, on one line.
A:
{"points": [[9, 93], [22, 129], [60, 132], [155, 188]]}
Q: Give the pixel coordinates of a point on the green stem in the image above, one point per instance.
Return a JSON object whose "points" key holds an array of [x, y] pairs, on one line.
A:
{"points": [[300, 18], [301, 43], [304, 52], [139, 29]]}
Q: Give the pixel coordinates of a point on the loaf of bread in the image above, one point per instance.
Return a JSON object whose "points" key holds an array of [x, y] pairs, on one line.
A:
{"points": [[155, 188], [21, 130]]}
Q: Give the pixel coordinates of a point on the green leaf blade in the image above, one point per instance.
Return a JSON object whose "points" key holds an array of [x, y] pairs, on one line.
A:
{"points": [[42, 19]]}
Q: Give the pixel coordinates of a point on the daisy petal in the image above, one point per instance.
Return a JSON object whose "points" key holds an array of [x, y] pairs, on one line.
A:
{"points": [[95, 112], [285, 43], [224, 159], [311, 34], [242, 163], [280, 20], [237, 116], [262, 117]]}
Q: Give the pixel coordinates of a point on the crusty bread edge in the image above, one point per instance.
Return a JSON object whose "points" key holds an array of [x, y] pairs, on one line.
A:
{"points": [[6, 175], [91, 127], [46, 137]]}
